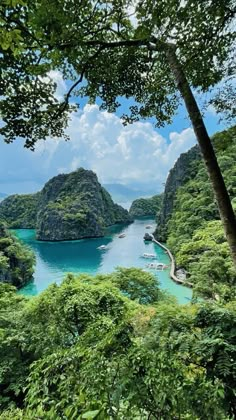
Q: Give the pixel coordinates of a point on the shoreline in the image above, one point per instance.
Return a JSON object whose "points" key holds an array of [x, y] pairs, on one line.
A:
{"points": [[172, 268]]}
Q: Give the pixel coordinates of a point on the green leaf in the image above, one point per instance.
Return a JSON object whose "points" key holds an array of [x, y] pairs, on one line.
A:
{"points": [[90, 414]]}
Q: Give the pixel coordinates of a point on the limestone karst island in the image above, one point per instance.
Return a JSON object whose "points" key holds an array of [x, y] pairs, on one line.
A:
{"points": [[117, 210]]}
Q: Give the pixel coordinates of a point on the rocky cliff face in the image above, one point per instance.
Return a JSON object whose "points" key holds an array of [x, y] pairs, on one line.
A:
{"points": [[146, 206], [184, 169], [70, 206]]}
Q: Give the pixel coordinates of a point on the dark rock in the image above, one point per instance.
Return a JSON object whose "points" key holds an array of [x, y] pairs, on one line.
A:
{"points": [[148, 237]]}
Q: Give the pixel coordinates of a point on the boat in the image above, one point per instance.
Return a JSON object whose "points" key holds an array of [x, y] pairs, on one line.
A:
{"points": [[157, 266], [148, 226], [122, 235], [151, 256], [101, 247]]}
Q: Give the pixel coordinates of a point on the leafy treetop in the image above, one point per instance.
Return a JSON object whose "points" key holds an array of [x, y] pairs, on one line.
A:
{"points": [[98, 42]]}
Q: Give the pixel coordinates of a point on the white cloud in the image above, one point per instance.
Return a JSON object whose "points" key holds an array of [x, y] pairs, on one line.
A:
{"points": [[135, 153], [56, 77], [211, 110], [132, 154], [132, 15]]}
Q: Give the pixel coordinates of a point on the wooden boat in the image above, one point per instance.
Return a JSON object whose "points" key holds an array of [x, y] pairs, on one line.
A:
{"points": [[149, 256], [157, 266]]}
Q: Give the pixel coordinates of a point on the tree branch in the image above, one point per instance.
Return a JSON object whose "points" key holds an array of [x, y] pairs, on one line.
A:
{"points": [[105, 44], [151, 44], [68, 95], [115, 44]]}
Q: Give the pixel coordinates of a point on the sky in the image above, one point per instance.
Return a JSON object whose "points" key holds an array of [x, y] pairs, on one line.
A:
{"points": [[138, 155]]}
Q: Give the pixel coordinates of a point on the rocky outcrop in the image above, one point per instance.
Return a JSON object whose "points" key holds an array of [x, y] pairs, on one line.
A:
{"points": [[148, 237], [76, 206], [146, 206], [70, 206], [184, 169]]}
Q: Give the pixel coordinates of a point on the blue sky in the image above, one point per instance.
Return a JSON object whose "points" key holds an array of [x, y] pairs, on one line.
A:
{"points": [[138, 155]]}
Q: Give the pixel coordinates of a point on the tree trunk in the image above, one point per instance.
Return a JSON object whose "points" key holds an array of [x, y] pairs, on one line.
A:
{"points": [[221, 194]]}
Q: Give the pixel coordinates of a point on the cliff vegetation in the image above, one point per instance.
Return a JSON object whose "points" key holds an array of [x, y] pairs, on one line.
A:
{"points": [[16, 261], [191, 220], [19, 211], [184, 169], [70, 206], [146, 206]]}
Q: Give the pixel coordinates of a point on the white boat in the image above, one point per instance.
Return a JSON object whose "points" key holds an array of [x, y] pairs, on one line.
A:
{"points": [[122, 235], [102, 247], [150, 256], [157, 266]]}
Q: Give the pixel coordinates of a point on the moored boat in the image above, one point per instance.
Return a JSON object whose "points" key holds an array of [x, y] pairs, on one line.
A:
{"points": [[157, 266], [150, 256], [122, 235], [101, 247]]}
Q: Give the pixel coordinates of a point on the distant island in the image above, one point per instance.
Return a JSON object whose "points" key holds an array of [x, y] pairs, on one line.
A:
{"points": [[126, 193], [146, 206], [70, 206]]}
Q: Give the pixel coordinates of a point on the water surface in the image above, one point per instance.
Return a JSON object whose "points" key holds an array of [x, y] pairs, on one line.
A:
{"points": [[55, 259]]}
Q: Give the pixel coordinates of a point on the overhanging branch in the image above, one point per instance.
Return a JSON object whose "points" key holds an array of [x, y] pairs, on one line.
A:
{"points": [[68, 95], [151, 44]]}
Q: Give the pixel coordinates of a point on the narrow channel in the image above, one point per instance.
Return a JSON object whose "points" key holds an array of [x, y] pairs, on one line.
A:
{"points": [[55, 259]]}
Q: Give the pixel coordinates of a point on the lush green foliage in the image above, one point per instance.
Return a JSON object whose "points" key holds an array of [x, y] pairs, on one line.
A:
{"points": [[20, 211], [10, 37], [84, 350], [70, 206], [74, 206], [16, 261], [137, 284], [87, 40], [146, 206], [95, 347], [195, 232], [184, 170]]}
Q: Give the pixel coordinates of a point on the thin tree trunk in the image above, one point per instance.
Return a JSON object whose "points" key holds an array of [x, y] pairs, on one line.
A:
{"points": [[220, 191]]}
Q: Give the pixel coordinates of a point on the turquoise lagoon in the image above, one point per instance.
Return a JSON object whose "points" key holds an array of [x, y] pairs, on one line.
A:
{"points": [[55, 259]]}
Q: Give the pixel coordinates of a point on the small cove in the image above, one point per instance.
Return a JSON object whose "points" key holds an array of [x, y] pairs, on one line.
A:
{"points": [[55, 259]]}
